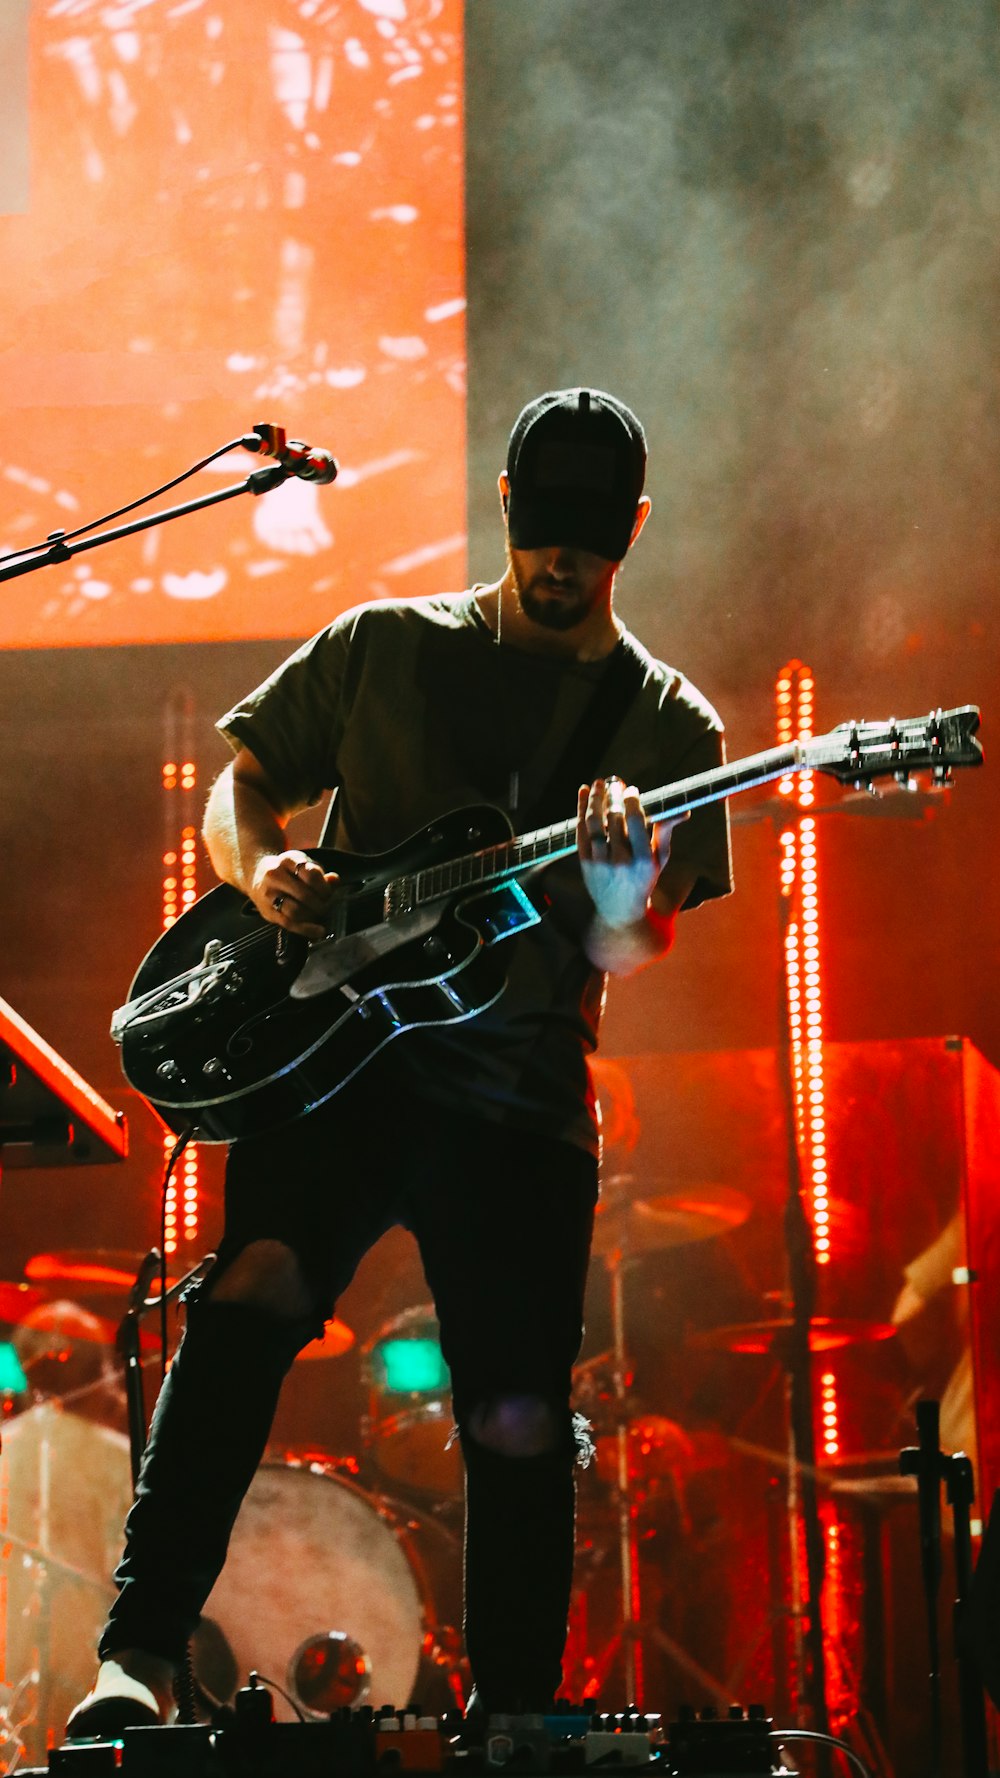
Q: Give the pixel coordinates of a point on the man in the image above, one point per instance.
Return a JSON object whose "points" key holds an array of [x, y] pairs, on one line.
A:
{"points": [[479, 1136]]}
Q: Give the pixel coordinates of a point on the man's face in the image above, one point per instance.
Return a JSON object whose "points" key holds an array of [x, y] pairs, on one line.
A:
{"points": [[559, 586]]}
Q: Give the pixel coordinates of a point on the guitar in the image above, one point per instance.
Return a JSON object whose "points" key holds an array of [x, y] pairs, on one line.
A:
{"points": [[232, 1025]]}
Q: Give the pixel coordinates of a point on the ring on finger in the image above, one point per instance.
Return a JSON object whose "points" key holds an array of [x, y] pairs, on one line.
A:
{"points": [[279, 902]]}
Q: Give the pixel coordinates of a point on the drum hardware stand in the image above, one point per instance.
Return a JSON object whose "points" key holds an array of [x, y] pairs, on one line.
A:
{"points": [[127, 1343], [46, 1568], [927, 1462], [634, 1630], [867, 1737]]}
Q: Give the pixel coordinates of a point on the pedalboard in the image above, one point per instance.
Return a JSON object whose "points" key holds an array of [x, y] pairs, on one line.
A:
{"points": [[247, 1742]]}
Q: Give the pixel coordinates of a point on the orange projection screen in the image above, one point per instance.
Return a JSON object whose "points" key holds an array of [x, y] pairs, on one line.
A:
{"points": [[216, 213]]}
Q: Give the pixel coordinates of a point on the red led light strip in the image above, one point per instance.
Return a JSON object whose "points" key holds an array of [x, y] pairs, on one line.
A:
{"points": [[800, 881], [179, 891], [795, 695]]}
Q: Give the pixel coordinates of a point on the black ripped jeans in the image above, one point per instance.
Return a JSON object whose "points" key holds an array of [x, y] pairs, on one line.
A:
{"points": [[503, 1220]]}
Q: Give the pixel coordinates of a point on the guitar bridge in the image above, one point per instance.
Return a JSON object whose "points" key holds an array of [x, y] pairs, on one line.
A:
{"points": [[179, 995]]}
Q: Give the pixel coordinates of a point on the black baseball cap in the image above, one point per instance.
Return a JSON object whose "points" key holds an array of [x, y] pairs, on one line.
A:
{"points": [[576, 463]]}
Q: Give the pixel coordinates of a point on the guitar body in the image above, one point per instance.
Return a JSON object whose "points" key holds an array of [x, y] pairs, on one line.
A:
{"points": [[238, 1054]]}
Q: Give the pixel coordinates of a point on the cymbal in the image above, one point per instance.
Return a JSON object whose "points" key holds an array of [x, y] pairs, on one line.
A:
{"points": [[337, 1338], [92, 1271], [633, 1224], [826, 1333], [891, 802], [51, 1329], [16, 1299]]}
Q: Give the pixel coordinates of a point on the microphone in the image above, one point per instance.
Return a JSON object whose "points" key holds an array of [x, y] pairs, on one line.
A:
{"points": [[147, 1272], [309, 462]]}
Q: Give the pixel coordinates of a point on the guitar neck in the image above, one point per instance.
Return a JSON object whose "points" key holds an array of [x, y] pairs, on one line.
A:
{"points": [[498, 864]]}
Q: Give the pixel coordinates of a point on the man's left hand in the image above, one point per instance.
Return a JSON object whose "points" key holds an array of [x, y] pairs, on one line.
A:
{"points": [[620, 857]]}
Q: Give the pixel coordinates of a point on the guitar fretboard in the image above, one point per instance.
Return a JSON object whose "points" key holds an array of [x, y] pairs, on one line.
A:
{"points": [[498, 864]]}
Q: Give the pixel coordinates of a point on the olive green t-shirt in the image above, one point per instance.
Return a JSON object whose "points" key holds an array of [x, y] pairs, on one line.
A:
{"points": [[409, 709]]}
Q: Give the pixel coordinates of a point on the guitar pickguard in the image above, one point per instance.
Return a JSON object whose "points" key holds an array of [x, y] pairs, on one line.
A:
{"points": [[333, 961]]}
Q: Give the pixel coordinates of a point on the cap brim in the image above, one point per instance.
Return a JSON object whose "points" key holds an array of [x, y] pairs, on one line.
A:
{"points": [[588, 525]]}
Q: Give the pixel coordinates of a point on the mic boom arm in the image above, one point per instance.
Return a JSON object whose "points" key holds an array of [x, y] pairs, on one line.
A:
{"points": [[303, 460]]}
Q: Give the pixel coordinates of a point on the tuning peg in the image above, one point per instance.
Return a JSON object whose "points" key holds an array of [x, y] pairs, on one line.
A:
{"points": [[904, 781], [940, 775]]}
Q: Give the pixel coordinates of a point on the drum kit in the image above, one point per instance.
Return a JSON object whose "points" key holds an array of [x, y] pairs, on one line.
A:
{"points": [[343, 1582]]}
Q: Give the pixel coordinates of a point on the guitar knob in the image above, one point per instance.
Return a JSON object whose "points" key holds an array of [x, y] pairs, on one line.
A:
{"points": [[215, 1069], [169, 1071]]}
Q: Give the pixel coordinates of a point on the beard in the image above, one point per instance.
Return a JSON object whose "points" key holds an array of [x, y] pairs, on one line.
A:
{"points": [[553, 613], [553, 604]]}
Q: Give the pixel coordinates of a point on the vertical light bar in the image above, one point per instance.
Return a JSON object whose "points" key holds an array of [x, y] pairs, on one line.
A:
{"points": [[799, 871], [179, 892], [830, 1415], [799, 878]]}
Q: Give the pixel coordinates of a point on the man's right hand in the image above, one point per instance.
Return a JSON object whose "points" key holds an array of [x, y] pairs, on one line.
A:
{"points": [[292, 891]]}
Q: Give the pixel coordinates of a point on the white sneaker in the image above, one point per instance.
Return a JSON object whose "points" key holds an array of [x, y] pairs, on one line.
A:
{"points": [[119, 1699]]}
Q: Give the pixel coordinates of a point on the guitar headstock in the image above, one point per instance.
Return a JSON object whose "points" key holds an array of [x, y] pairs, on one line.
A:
{"points": [[859, 752]]}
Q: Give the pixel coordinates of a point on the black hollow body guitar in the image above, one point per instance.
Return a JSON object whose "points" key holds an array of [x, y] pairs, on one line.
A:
{"points": [[233, 1026]]}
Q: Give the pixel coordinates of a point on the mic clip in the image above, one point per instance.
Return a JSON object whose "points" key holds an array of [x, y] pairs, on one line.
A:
{"points": [[296, 458]]}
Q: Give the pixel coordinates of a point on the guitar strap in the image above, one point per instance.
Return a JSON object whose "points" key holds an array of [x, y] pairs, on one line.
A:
{"points": [[583, 755]]}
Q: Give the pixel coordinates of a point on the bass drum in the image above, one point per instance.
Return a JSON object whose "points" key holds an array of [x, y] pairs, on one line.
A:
{"points": [[315, 1559]]}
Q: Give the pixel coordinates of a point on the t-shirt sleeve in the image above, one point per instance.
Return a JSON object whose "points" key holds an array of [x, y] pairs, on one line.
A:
{"points": [[703, 839], [293, 723]]}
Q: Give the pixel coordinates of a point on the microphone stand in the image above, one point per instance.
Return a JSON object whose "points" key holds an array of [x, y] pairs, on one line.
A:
{"points": [[260, 481], [961, 1490], [928, 1463], [925, 1461]]}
